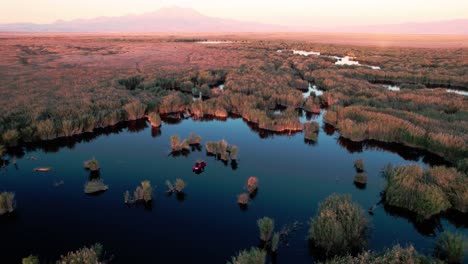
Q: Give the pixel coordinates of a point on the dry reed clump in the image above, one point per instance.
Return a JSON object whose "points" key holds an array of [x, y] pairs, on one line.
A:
{"points": [[243, 199], [7, 202], [360, 178], [194, 140], [222, 150], [170, 187], [154, 119], [359, 165], [135, 110], [340, 227], [311, 130], [144, 193], [252, 185], [95, 186], [426, 192], [252, 256], [92, 164], [180, 185], [177, 145], [275, 242]]}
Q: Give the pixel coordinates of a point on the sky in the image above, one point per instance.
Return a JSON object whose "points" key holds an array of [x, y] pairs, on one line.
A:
{"points": [[289, 12]]}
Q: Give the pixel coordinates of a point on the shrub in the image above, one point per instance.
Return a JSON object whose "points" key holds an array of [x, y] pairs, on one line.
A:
{"points": [[266, 226], [340, 228], [95, 186], [359, 165], [222, 150], [252, 256], [7, 202], [360, 178], [92, 164], [395, 255], [411, 188], [154, 119], [275, 242], [180, 185], [30, 260], [450, 247], [252, 184], [243, 199], [91, 254], [194, 140]]}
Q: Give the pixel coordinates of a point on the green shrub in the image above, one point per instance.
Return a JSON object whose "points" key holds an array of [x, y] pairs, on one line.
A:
{"points": [[411, 188], [83, 255], [275, 242], [92, 164], [450, 247], [252, 256], [340, 228], [7, 202], [266, 226], [30, 260]]}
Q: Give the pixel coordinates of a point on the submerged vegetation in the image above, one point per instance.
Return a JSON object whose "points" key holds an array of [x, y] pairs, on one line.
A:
{"points": [[7, 202], [426, 192], [340, 227]]}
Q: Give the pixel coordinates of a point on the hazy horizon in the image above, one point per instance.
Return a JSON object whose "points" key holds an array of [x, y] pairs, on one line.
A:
{"points": [[293, 13]]}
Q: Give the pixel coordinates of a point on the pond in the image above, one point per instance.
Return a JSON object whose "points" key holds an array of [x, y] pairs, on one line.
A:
{"points": [[206, 225]]}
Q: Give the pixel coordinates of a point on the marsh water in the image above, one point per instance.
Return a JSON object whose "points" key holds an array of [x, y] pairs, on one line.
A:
{"points": [[206, 225]]}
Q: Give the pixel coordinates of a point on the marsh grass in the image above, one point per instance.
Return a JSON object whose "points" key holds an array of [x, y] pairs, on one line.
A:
{"points": [[194, 140], [450, 247], [180, 185], [251, 256], [7, 202], [360, 178], [177, 145], [252, 185], [154, 119], [142, 193], [222, 150], [266, 226], [359, 165], [275, 242], [340, 227]]}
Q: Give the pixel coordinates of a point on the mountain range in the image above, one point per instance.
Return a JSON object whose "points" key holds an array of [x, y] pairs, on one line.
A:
{"points": [[176, 19]]}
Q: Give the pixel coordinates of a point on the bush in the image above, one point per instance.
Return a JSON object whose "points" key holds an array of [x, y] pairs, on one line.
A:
{"points": [[92, 164], [7, 202], [340, 228], [252, 256], [243, 199], [450, 247], [266, 226], [412, 188], [252, 185], [154, 119], [95, 186], [359, 165], [395, 255], [180, 185], [30, 260], [91, 254]]}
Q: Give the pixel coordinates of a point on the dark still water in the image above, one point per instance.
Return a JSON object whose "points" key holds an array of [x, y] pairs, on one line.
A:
{"points": [[207, 225]]}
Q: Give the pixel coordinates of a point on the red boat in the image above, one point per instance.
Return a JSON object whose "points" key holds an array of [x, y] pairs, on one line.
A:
{"points": [[199, 166]]}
